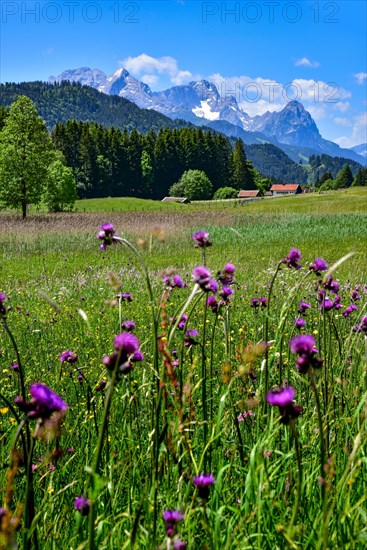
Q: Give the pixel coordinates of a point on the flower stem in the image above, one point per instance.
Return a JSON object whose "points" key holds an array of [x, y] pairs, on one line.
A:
{"points": [[266, 331], [204, 377], [319, 417], [300, 477], [29, 503], [97, 458]]}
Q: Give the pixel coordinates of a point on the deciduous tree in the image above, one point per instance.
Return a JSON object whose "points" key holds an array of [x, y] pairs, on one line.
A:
{"points": [[25, 154]]}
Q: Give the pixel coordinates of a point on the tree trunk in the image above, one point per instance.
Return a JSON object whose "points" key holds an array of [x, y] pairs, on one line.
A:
{"points": [[24, 200]]}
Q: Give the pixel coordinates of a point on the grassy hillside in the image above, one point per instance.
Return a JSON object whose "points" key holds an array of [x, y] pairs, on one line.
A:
{"points": [[62, 102], [348, 200]]}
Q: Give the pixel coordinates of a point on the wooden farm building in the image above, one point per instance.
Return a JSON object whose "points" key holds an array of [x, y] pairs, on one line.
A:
{"points": [[279, 189], [183, 200], [248, 194]]}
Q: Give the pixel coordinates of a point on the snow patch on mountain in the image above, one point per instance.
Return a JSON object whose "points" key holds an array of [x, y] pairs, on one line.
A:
{"points": [[204, 111]]}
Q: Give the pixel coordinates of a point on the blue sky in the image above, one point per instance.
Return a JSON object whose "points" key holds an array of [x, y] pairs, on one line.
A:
{"points": [[265, 52]]}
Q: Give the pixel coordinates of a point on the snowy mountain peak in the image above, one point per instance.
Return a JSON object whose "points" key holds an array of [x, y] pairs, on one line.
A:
{"points": [[84, 75], [121, 83], [295, 105], [205, 89]]}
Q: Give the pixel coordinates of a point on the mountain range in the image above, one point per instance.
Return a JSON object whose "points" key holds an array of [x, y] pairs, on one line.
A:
{"points": [[292, 129]]}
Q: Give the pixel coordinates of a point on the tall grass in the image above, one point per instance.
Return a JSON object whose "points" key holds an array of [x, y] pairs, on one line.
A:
{"points": [[186, 410]]}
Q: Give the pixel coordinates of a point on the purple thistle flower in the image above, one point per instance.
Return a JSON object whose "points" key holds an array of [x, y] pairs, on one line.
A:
{"points": [[106, 235], [212, 286], [326, 304], [283, 398], [127, 297], [348, 311], [203, 483], [263, 301], [126, 353], [362, 325], [299, 323], [171, 518], [108, 229], [190, 336], [182, 321], [179, 545], [82, 505], [355, 296], [126, 343], [229, 269], [43, 404], [226, 277], [255, 302], [212, 302], [202, 277], [101, 386], [137, 356], [68, 357], [178, 282], [303, 344], [293, 258], [201, 239], [318, 265], [331, 285], [303, 307], [15, 366], [173, 281], [128, 325], [226, 292]]}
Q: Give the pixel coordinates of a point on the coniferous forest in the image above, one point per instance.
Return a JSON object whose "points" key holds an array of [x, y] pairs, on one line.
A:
{"points": [[111, 162]]}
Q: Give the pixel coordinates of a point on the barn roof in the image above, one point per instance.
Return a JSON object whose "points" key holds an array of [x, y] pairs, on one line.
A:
{"points": [[285, 187], [175, 199], [247, 194]]}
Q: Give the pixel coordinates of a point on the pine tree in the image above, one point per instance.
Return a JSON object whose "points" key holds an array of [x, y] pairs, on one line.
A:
{"points": [[345, 177], [243, 176], [25, 154], [88, 167], [147, 174], [361, 178]]}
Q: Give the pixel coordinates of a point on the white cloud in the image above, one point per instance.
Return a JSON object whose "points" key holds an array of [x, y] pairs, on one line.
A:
{"points": [[47, 51], [342, 107], [181, 77], [360, 78], [155, 67], [258, 95], [305, 62], [149, 79], [346, 122], [359, 132]]}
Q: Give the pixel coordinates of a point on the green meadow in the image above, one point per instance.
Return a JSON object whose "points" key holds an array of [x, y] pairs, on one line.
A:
{"points": [[197, 402]]}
